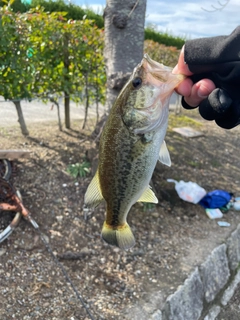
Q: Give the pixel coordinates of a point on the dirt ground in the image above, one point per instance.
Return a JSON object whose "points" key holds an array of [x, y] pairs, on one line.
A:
{"points": [[172, 238]]}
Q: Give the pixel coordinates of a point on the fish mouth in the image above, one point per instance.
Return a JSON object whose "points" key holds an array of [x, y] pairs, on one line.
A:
{"points": [[156, 69]]}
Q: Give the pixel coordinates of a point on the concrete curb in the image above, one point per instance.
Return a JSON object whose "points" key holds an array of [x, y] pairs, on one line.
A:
{"points": [[206, 290]]}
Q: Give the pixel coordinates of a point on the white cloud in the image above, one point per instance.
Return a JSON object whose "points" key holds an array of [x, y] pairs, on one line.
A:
{"points": [[185, 18]]}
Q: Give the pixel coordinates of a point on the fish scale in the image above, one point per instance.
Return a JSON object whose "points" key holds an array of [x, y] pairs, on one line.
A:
{"points": [[131, 143]]}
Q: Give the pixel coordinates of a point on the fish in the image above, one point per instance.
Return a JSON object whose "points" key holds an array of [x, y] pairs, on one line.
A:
{"points": [[131, 143]]}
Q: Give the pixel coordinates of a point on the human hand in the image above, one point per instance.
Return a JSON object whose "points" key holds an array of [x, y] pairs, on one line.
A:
{"points": [[220, 102], [193, 93]]}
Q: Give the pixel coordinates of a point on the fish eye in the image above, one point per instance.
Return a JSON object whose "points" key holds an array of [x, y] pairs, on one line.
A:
{"points": [[137, 82]]}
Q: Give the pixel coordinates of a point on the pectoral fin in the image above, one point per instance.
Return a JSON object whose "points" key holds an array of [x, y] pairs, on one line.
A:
{"points": [[164, 155], [93, 196], [148, 196]]}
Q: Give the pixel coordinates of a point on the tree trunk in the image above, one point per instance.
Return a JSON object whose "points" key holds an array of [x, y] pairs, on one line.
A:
{"points": [[21, 120], [58, 112], [66, 81], [86, 102], [97, 101], [124, 38], [67, 110]]}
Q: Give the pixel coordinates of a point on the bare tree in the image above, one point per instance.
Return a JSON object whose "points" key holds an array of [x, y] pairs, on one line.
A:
{"points": [[124, 38]]}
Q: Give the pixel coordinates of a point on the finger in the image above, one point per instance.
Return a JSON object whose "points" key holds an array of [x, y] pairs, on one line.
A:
{"points": [[182, 67], [217, 106], [185, 87], [199, 92]]}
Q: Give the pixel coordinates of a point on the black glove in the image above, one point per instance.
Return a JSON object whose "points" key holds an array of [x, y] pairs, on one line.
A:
{"points": [[223, 104], [218, 59]]}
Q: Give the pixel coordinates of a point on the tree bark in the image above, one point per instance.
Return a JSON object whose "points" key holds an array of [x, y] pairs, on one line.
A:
{"points": [[67, 110], [21, 120], [124, 38], [86, 102], [67, 81], [58, 112]]}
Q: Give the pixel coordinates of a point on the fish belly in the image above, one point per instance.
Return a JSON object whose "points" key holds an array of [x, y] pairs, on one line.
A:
{"points": [[126, 165]]}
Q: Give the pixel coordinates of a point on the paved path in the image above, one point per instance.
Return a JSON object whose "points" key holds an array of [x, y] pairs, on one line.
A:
{"points": [[37, 111]]}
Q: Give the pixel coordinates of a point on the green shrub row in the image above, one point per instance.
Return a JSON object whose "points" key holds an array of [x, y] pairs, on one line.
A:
{"points": [[164, 38], [77, 13], [73, 11]]}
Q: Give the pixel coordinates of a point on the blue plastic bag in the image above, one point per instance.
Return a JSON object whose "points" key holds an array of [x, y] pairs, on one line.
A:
{"points": [[216, 199]]}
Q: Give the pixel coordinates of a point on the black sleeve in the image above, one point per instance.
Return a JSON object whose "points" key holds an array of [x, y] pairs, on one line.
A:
{"points": [[218, 59], [212, 51]]}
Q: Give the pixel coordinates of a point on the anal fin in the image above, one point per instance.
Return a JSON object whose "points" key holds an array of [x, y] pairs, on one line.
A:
{"points": [[148, 196]]}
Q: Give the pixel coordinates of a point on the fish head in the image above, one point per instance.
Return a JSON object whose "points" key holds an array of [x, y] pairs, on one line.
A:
{"points": [[147, 95]]}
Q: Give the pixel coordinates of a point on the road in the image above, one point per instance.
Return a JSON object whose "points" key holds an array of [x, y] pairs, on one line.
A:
{"points": [[37, 111]]}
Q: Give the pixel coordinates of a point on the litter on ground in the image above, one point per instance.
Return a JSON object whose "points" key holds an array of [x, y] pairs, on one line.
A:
{"points": [[188, 132], [224, 224]]}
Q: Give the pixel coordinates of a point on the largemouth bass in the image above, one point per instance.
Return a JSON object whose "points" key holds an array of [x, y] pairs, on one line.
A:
{"points": [[131, 143]]}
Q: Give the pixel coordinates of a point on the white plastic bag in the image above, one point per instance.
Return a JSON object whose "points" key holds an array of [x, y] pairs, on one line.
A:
{"points": [[189, 191]]}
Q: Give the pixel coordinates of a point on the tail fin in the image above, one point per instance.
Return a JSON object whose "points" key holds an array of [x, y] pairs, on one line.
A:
{"points": [[120, 236]]}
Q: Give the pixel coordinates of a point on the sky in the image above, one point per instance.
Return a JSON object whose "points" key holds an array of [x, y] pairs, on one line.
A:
{"points": [[188, 19]]}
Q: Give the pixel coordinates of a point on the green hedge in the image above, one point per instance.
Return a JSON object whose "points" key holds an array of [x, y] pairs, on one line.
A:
{"points": [[164, 38], [17, 6], [77, 13], [73, 11]]}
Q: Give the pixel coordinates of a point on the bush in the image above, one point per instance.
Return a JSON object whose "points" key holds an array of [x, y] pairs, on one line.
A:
{"points": [[74, 12], [77, 13], [17, 6], [161, 53], [164, 38]]}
